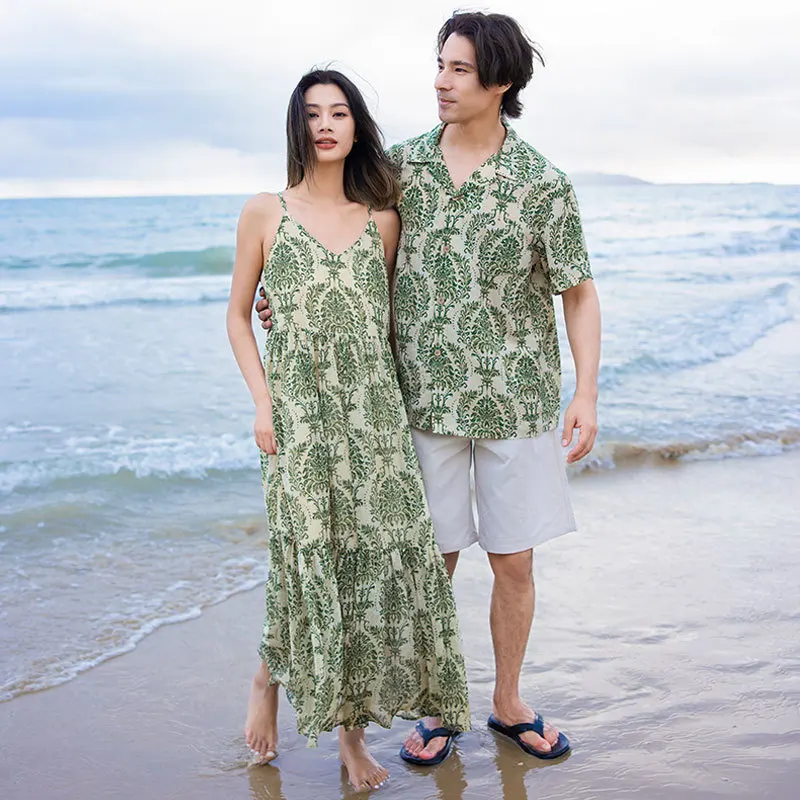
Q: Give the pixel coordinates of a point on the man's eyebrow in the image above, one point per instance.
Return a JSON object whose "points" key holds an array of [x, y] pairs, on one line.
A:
{"points": [[458, 63]]}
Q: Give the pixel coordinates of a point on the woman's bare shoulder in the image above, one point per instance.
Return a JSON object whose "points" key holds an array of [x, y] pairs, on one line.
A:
{"points": [[388, 221], [388, 215], [262, 207]]}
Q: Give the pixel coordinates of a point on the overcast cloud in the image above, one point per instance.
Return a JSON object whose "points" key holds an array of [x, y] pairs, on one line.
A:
{"points": [[176, 96]]}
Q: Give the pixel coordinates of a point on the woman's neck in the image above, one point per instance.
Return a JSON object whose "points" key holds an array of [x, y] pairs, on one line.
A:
{"points": [[325, 186]]}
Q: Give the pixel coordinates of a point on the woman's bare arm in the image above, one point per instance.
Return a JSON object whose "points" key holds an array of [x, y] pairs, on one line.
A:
{"points": [[388, 223], [255, 231]]}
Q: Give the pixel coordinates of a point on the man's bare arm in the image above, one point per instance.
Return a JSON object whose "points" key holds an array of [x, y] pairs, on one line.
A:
{"points": [[582, 317]]}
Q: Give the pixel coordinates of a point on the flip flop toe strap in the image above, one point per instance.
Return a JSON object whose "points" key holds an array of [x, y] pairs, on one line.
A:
{"points": [[537, 726], [435, 733]]}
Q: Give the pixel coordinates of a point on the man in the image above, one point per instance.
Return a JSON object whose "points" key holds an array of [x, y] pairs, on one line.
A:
{"points": [[491, 231]]}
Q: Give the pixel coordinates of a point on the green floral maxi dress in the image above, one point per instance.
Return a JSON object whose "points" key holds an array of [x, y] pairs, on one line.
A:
{"points": [[360, 619]]}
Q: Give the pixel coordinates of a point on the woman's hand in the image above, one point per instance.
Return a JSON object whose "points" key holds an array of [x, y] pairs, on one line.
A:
{"points": [[263, 310], [264, 428]]}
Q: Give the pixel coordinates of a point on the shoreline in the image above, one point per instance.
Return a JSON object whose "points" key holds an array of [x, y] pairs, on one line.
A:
{"points": [[624, 460]]}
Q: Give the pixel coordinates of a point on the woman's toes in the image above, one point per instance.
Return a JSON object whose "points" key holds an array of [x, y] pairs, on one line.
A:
{"points": [[377, 778]]}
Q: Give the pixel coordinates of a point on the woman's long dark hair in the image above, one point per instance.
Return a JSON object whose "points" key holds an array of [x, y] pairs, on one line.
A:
{"points": [[369, 176]]}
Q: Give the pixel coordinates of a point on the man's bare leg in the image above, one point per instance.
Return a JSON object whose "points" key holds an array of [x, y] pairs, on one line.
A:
{"points": [[261, 727], [363, 770], [414, 743], [513, 600]]}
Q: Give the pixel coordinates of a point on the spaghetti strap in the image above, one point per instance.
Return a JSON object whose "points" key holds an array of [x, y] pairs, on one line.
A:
{"points": [[283, 203]]}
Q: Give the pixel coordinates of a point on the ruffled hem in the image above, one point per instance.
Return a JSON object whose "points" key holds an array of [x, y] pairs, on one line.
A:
{"points": [[385, 719], [407, 663]]}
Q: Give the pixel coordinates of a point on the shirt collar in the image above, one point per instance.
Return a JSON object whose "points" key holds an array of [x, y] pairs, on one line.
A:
{"points": [[426, 149]]}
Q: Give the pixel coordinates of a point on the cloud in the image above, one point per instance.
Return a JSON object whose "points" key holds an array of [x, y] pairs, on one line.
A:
{"points": [[165, 94]]}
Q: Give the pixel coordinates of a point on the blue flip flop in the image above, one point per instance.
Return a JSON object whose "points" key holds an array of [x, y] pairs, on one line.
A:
{"points": [[537, 726], [426, 737]]}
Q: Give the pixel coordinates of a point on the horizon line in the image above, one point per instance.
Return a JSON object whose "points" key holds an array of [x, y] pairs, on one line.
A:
{"points": [[641, 182]]}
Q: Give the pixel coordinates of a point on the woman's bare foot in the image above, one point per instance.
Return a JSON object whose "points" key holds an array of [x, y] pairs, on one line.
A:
{"points": [[261, 727], [362, 769]]}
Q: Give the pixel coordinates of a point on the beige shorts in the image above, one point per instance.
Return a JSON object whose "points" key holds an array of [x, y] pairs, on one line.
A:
{"points": [[521, 490]]}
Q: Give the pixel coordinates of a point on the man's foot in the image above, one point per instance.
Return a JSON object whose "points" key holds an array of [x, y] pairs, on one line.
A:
{"points": [[422, 737], [261, 727], [363, 770], [415, 745], [516, 713]]}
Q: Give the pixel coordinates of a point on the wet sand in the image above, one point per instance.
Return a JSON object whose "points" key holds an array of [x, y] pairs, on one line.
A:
{"points": [[666, 645]]}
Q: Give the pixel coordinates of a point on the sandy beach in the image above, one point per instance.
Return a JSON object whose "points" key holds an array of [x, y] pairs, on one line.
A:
{"points": [[666, 645]]}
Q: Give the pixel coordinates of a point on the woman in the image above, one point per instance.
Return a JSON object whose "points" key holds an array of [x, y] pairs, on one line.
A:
{"points": [[360, 624]]}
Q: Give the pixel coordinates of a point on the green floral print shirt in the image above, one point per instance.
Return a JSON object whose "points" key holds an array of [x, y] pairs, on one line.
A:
{"points": [[476, 273]]}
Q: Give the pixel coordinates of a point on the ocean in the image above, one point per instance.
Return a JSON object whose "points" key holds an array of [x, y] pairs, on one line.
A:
{"points": [[130, 492]]}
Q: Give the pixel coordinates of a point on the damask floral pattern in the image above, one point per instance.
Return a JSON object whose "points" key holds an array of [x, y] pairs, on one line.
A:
{"points": [[360, 619], [476, 271]]}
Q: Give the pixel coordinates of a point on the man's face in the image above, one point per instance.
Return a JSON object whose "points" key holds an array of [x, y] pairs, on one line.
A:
{"points": [[461, 96]]}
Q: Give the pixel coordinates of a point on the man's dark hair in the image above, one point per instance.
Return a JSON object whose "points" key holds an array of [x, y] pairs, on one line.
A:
{"points": [[369, 176], [504, 53]]}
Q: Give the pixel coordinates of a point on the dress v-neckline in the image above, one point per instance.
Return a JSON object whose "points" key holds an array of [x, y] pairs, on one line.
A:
{"points": [[315, 239]]}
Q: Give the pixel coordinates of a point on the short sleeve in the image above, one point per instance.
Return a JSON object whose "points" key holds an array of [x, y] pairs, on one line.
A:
{"points": [[565, 255]]}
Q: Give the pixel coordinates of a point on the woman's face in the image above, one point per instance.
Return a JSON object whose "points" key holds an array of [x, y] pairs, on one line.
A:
{"points": [[330, 122]]}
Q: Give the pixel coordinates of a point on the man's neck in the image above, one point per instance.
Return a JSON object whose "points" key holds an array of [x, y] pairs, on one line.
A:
{"points": [[479, 135]]}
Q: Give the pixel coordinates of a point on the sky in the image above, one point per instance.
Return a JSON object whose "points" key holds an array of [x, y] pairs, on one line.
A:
{"points": [[181, 97]]}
